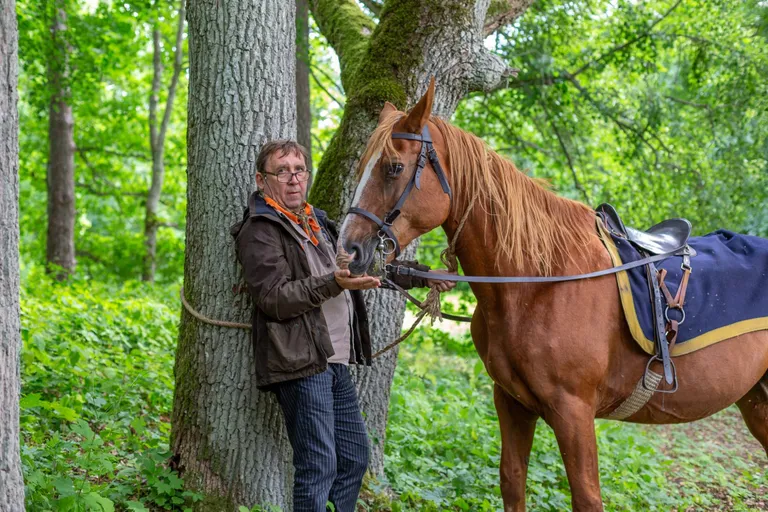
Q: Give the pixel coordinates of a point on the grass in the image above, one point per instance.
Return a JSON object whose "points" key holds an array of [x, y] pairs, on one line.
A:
{"points": [[97, 391], [443, 447]]}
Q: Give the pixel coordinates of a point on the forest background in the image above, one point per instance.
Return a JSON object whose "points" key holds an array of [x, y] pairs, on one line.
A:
{"points": [[658, 107]]}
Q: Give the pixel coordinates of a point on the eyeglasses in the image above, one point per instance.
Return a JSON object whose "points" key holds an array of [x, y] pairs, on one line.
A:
{"points": [[287, 177]]}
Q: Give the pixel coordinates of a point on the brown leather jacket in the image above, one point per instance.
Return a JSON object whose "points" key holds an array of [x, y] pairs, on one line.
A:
{"points": [[290, 336]]}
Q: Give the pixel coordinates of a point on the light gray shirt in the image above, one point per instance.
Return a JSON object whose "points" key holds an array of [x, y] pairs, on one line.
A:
{"points": [[337, 310]]}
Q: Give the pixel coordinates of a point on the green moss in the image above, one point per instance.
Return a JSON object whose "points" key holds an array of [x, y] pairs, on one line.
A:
{"points": [[497, 7], [347, 28], [377, 71]]}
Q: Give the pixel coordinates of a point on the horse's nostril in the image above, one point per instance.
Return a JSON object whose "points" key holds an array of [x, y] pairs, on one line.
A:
{"points": [[355, 250], [349, 253]]}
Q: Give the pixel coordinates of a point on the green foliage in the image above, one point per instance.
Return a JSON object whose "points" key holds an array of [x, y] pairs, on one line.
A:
{"points": [[97, 390], [658, 107], [111, 59], [443, 447], [97, 385]]}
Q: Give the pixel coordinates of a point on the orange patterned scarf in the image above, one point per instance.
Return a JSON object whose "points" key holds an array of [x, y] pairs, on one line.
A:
{"points": [[305, 219]]}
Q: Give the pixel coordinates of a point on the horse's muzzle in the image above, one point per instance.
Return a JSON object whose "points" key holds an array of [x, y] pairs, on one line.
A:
{"points": [[362, 255]]}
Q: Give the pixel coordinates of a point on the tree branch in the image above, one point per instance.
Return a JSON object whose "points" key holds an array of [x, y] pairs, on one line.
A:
{"points": [[576, 181], [329, 77], [154, 95], [319, 143], [503, 12], [97, 176], [511, 132], [114, 152], [347, 28], [81, 253], [178, 57], [325, 90], [632, 41], [565, 75], [373, 6]]}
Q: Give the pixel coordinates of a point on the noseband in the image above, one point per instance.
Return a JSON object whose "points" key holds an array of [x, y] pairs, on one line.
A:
{"points": [[427, 152]]}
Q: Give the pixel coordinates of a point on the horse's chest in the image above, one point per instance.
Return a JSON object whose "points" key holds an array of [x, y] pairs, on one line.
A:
{"points": [[530, 351], [506, 359]]}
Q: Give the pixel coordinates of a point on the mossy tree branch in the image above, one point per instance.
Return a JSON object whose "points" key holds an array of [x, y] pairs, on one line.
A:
{"points": [[347, 28], [503, 12]]}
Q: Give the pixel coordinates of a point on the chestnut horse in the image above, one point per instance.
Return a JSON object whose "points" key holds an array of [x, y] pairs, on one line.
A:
{"points": [[559, 351]]}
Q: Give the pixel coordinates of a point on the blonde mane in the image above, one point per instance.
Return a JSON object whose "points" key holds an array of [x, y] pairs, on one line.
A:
{"points": [[531, 224]]}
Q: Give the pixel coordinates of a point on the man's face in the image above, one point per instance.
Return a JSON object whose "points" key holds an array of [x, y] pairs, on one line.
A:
{"points": [[289, 195]]}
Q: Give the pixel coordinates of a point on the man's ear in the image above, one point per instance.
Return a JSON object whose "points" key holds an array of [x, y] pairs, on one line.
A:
{"points": [[419, 115], [388, 109], [259, 181]]}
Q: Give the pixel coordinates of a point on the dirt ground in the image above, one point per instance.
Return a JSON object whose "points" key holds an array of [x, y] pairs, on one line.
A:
{"points": [[725, 438]]}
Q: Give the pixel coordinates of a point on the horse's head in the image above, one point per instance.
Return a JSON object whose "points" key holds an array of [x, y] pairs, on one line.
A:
{"points": [[403, 191]]}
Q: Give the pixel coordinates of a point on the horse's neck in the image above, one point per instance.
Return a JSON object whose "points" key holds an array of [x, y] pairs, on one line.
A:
{"points": [[477, 251]]}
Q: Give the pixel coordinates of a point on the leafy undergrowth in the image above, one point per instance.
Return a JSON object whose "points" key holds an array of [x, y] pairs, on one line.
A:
{"points": [[443, 448], [97, 388], [97, 377]]}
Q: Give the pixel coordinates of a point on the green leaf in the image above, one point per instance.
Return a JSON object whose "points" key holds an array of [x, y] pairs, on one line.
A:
{"points": [[64, 486], [32, 400], [136, 506], [97, 502]]}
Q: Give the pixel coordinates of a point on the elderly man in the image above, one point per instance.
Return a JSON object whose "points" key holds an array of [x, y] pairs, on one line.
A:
{"points": [[309, 324]]}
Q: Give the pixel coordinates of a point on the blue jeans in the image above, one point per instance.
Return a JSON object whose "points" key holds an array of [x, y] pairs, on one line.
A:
{"points": [[329, 440]]}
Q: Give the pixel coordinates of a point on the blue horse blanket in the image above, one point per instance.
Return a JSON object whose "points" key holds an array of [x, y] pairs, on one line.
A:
{"points": [[727, 289]]}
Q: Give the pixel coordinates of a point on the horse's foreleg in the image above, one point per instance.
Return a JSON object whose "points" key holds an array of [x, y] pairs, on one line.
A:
{"points": [[517, 427], [754, 410], [573, 423]]}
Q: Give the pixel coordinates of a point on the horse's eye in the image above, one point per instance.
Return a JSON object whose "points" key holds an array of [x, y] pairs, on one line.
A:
{"points": [[394, 170]]}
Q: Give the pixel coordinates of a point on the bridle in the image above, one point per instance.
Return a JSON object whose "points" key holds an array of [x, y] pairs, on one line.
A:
{"points": [[386, 237]]}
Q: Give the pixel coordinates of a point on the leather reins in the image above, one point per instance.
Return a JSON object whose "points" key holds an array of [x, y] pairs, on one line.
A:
{"points": [[407, 271]]}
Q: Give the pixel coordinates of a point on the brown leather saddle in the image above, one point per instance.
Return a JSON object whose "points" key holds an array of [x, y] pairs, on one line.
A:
{"points": [[669, 236]]}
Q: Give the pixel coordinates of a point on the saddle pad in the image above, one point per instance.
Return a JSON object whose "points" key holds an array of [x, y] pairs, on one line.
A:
{"points": [[727, 289]]}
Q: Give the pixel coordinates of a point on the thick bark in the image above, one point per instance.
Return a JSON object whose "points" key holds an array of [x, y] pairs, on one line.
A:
{"points": [[61, 157], [413, 41], [228, 438], [157, 139], [11, 483], [303, 109], [503, 12]]}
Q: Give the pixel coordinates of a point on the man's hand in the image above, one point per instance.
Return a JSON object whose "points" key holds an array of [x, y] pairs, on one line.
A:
{"points": [[441, 286], [364, 282]]}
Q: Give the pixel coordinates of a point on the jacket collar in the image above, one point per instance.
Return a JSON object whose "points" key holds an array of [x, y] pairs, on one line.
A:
{"points": [[258, 208]]}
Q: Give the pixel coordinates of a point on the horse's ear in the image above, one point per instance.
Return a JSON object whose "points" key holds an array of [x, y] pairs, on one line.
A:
{"points": [[419, 115], [388, 109]]}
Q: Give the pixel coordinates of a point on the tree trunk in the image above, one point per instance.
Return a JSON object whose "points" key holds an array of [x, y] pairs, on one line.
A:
{"points": [[228, 438], [157, 139], [303, 108], [61, 158], [11, 483], [393, 62]]}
